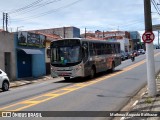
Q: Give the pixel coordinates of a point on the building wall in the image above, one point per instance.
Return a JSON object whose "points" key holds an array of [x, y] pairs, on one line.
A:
{"points": [[47, 45], [38, 65], [76, 32], [7, 45], [64, 32], [48, 67], [124, 34], [124, 43], [135, 35]]}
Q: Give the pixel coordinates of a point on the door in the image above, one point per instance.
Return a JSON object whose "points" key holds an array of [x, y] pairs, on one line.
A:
{"points": [[24, 62], [7, 57]]}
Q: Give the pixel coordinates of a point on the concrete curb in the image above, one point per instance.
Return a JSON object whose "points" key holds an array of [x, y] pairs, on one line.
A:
{"points": [[146, 103], [28, 81]]}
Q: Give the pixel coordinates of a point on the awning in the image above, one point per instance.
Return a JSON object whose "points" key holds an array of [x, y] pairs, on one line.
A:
{"points": [[31, 51]]}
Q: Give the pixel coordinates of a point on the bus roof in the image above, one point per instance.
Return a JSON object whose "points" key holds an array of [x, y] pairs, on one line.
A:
{"points": [[89, 40]]}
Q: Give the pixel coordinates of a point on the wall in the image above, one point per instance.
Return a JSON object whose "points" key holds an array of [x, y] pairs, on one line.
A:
{"points": [[67, 32], [48, 67], [7, 45], [38, 65], [124, 43], [47, 45], [76, 32]]}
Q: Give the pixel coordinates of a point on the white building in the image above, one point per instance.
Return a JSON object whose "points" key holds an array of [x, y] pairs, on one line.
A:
{"points": [[116, 36]]}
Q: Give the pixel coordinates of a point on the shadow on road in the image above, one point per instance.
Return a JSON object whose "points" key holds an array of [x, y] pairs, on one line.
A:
{"points": [[87, 79]]}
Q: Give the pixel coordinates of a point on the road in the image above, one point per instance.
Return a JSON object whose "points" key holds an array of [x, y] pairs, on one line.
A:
{"points": [[107, 92]]}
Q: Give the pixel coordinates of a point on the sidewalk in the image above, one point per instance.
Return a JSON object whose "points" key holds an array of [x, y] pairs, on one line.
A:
{"points": [[26, 81], [147, 105]]}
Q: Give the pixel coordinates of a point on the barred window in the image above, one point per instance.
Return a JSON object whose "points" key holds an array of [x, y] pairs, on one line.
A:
{"points": [[48, 52]]}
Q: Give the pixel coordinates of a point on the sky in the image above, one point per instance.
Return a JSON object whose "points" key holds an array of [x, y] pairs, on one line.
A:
{"points": [[104, 15]]}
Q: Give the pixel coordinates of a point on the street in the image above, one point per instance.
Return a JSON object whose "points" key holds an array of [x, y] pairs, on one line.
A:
{"points": [[107, 92]]}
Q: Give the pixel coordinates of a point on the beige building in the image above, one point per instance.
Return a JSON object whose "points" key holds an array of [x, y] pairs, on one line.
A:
{"points": [[7, 54], [63, 32]]}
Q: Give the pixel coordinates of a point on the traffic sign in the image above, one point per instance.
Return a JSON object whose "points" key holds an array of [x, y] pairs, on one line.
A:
{"points": [[148, 37]]}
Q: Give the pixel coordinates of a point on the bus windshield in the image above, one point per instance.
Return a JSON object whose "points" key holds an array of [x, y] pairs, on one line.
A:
{"points": [[65, 54]]}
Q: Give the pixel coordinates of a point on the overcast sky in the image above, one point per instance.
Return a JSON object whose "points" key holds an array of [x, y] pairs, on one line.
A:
{"points": [[93, 14]]}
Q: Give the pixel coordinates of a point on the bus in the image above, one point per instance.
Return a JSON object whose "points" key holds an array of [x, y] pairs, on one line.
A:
{"points": [[78, 57]]}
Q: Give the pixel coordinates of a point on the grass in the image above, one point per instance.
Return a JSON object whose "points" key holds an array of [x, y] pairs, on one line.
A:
{"points": [[148, 100]]}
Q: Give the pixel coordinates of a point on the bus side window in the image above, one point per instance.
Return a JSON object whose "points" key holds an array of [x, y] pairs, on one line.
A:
{"points": [[91, 49], [112, 48], [109, 49], [85, 50], [94, 49], [119, 47], [116, 47]]}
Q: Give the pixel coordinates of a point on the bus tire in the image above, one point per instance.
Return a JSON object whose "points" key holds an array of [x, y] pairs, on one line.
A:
{"points": [[93, 72], [113, 67], [67, 78]]}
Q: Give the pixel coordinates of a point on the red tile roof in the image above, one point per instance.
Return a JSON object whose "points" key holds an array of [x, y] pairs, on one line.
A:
{"points": [[94, 38], [53, 36], [1, 30]]}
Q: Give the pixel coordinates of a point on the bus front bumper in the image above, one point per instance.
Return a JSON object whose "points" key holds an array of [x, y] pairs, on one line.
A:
{"points": [[67, 73]]}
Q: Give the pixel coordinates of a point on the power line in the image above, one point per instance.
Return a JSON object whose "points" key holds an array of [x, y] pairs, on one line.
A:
{"points": [[36, 6], [25, 7], [48, 12], [155, 6]]}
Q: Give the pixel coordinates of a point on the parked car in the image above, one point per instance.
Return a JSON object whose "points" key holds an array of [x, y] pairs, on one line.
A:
{"points": [[123, 56], [127, 55], [4, 81], [157, 47], [141, 51]]}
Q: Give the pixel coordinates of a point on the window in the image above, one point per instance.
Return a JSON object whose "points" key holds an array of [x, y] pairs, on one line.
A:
{"points": [[48, 52], [109, 48], [85, 51], [92, 49]]}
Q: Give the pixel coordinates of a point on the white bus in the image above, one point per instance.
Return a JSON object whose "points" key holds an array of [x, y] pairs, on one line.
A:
{"points": [[77, 57]]}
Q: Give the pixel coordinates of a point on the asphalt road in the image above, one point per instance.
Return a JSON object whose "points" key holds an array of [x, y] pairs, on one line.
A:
{"points": [[107, 92]]}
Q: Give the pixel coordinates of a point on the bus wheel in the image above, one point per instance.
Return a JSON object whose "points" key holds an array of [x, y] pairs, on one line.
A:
{"points": [[93, 72], [67, 78], [113, 67]]}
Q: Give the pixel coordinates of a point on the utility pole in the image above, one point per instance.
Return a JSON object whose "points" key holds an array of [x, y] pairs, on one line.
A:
{"points": [[64, 32], [103, 34], [158, 38], [3, 21], [6, 21], [85, 33], [152, 91]]}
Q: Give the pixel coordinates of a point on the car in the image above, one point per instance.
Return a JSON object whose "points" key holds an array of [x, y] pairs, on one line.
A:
{"points": [[4, 81], [123, 56], [127, 55], [141, 51]]}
